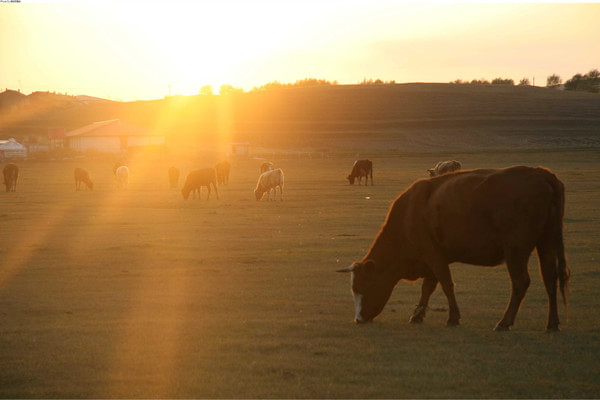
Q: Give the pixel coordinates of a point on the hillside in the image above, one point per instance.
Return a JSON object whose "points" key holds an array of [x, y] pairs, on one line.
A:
{"points": [[404, 117]]}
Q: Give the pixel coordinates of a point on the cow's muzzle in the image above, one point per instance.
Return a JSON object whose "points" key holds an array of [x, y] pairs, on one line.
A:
{"points": [[362, 321]]}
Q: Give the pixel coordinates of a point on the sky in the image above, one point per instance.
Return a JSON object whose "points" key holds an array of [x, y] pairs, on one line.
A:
{"points": [[131, 50]]}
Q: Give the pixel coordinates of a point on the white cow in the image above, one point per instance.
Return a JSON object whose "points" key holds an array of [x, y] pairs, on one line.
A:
{"points": [[443, 167], [269, 181], [122, 174]]}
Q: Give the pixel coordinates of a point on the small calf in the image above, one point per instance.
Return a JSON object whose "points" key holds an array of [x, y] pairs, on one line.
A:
{"points": [[82, 176]]}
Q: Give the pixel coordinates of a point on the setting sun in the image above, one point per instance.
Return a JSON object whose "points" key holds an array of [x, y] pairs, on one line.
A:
{"points": [[132, 50]]}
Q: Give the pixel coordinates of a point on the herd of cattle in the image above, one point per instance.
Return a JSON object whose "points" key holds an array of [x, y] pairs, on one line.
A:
{"points": [[269, 181], [481, 217]]}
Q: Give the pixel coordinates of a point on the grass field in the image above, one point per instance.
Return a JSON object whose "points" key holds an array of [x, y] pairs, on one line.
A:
{"points": [[139, 294]]}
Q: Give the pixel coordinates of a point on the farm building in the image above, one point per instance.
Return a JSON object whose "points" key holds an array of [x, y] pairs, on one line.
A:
{"points": [[11, 149], [111, 136]]}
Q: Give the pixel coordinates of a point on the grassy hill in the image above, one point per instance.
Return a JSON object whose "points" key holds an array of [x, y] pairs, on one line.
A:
{"points": [[405, 117]]}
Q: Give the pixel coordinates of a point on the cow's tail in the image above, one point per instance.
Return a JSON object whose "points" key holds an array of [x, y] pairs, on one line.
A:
{"points": [[563, 270]]}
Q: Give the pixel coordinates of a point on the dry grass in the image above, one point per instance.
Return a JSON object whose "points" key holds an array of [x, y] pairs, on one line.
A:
{"points": [[138, 293]]}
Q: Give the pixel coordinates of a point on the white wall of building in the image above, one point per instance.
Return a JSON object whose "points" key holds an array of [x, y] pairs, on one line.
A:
{"points": [[102, 144]]}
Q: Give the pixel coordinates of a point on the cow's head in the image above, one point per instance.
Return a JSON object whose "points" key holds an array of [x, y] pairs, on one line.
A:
{"points": [[350, 179], [258, 194], [371, 289]]}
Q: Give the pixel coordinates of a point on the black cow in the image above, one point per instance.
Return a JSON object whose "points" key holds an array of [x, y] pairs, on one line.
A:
{"points": [[222, 170], [11, 176], [198, 178], [359, 169]]}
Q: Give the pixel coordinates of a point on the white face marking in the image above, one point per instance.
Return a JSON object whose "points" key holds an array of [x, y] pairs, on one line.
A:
{"points": [[357, 306]]}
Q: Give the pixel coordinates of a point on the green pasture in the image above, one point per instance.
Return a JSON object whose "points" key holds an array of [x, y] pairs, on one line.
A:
{"points": [[139, 294]]}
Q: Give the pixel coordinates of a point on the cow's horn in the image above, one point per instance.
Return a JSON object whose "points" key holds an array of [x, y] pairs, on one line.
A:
{"points": [[349, 269]]}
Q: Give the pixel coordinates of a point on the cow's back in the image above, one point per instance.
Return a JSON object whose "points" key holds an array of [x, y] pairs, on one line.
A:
{"points": [[474, 216], [361, 167], [202, 177], [272, 178]]}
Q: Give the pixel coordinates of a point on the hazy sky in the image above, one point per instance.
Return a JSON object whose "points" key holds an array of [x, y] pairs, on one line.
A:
{"points": [[130, 50]]}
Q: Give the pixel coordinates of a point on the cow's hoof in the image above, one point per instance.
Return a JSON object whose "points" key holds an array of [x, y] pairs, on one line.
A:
{"points": [[418, 315], [452, 324], [501, 328], [552, 328]]}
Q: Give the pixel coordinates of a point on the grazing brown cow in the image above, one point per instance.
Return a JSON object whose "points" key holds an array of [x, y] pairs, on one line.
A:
{"points": [[222, 170], [173, 177], [269, 182], [359, 169], [266, 166], [481, 217], [198, 178], [443, 167], [81, 175], [11, 176]]}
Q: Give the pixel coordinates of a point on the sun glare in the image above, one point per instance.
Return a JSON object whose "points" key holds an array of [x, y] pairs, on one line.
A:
{"points": [[132, 50]]}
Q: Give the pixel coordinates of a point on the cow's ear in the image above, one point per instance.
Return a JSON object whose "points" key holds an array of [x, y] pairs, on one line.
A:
{"points": [[371, 265]]}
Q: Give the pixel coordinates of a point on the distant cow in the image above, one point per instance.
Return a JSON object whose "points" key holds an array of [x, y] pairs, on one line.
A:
{"points": [[122, 174], [443, 167], [359, 169], [116, 166], [270, 181], [481, 217], [222, 170], [81, 175], [173, 177], [266, 166], [198, 178], [11, 176]]}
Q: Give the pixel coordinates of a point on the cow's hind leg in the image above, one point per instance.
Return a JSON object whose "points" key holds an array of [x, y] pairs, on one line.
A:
{"points": [[429, 285], [516, 262], [548, 269]]}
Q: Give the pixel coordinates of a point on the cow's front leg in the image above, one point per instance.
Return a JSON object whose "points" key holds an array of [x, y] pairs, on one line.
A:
{"points": [[429, 285], [441, 271]]}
